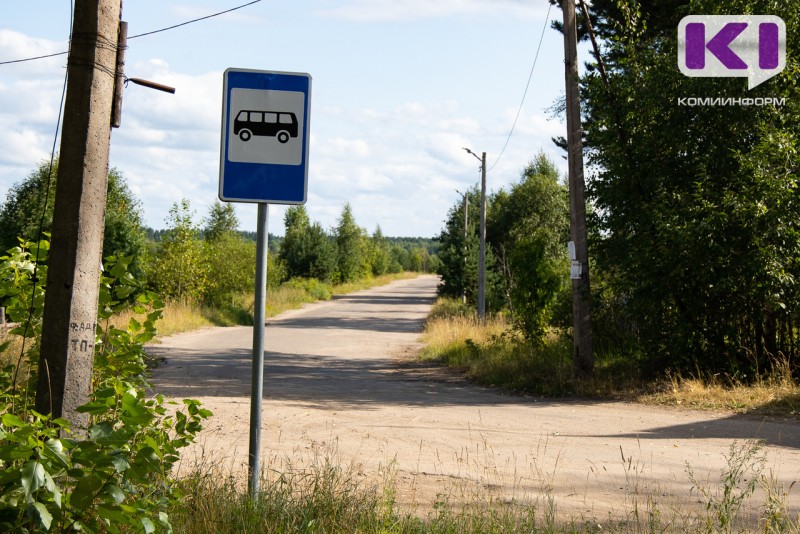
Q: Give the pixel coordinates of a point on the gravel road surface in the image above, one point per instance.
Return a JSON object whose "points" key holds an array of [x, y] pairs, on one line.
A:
{"points": [[341, 383]]}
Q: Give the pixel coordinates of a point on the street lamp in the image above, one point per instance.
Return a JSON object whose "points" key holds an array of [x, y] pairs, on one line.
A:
{"points": [[482, 253]]}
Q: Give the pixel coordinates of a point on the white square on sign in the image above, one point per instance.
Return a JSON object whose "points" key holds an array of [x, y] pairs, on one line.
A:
{"points": [[266, 126]]}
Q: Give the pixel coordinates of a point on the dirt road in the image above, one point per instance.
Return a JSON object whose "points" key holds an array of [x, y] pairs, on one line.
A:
{"points": [[339, 382]]}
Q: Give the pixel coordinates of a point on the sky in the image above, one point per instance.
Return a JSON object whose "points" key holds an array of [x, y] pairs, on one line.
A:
{"points": [[399, 88]]}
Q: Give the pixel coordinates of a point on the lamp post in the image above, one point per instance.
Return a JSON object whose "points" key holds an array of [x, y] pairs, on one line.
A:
{"points": [[482, 252]]}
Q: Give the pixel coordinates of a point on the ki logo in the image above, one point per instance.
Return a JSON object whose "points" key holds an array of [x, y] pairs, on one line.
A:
{"points": [[747, 46]]}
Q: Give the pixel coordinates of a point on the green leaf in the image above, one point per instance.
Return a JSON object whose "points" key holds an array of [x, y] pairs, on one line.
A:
{"points": [[12, 420], [134, 325], [101, 430], [45, 518], [85, 491], [53, 450], [132, 405], [115, 492], [21, 451], [120, 463], [148, 525], [31, 478], [114, 515]]}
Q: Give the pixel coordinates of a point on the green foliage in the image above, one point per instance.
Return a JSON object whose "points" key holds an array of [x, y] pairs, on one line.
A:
{"points": [[124, 233], [351, 248], [25, 208], [115, 476], [528, 227], [229, 266], [526, 231], [380, 255], [457, 258], [221, 221], [696, 210], [306, 250], [311, 286], [177, 268]]}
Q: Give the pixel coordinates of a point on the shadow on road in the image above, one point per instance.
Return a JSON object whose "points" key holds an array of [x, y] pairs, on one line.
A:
{"points": [[772, 431], [327, 382], [361, 322]]}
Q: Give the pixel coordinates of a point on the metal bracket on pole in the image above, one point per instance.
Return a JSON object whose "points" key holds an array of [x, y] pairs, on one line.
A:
{"points": [[119, 82], [152, 85]]}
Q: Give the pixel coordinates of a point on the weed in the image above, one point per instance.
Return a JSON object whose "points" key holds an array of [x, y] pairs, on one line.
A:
{"points": [[738, 482], [776, 517]]}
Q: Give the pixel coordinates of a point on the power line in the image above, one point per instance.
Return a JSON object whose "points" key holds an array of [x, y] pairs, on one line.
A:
{"points": [[527, 86], [141, 34], [194, 20], [33, 58]]}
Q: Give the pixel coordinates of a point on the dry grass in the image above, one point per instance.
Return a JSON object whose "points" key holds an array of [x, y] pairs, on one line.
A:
{"points": [[777, 394], [492, 354], [453, 339], [179, 316]]}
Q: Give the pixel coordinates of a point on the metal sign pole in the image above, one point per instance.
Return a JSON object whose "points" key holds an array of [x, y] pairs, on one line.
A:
{"points": [[259, 320]]}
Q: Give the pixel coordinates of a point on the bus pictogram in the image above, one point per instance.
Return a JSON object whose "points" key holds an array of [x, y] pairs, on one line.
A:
{"points": [[280, 124]]}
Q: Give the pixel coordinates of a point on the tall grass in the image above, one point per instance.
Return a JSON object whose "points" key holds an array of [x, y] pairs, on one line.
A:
{"points": [[492, 353], [777, 393], [325, 497]]}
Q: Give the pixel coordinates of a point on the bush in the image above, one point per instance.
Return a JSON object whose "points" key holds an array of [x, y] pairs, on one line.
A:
{"points": [[316, 289], [116, 473]]}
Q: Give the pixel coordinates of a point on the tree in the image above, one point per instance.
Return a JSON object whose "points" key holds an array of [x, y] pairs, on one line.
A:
{"points": [[351, 250], [457, 262], [229, 260], [306, 249], [459, 254], [528, 230], [221, 221], [695, 207], [177, 271], [29, 203], [379, 253], [294, 247]]}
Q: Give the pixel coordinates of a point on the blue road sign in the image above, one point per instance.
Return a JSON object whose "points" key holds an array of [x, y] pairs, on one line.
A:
{"points": [[264, 147]]}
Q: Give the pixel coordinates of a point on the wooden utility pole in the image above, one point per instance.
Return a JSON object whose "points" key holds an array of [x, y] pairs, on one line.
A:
{"points": [[583, 357], [70, 309]]}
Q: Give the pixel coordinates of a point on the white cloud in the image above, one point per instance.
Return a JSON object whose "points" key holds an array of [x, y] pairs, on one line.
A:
{"points": [[339, 147], [15, 45]]}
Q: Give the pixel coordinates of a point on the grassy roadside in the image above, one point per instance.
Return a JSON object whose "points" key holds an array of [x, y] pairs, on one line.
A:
{"points": [[492, 354], [324, 496]]}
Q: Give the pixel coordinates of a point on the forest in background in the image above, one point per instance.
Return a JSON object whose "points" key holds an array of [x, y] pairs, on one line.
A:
{"points": [[208, 260]]}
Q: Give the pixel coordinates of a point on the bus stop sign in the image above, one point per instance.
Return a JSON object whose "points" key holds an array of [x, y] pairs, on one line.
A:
{"points": [[264, 143]]}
